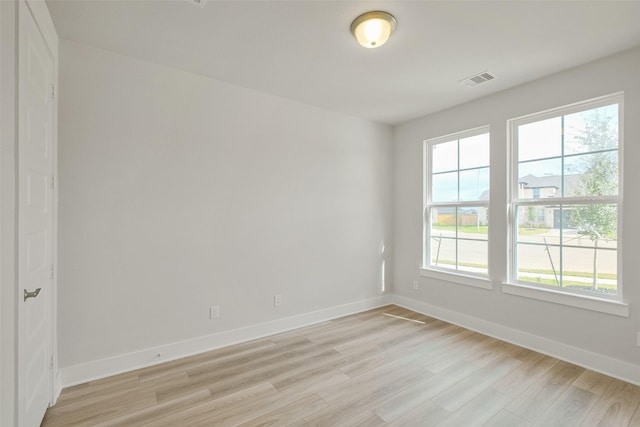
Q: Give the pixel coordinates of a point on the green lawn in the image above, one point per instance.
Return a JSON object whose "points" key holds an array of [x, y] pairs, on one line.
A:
{"points": [[465, 264], [551, 282], [571, 273], [573, 284], [483, 229]]}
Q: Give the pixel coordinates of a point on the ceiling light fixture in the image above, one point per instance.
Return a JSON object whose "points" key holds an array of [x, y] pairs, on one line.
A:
{"points": [[372, 29]]}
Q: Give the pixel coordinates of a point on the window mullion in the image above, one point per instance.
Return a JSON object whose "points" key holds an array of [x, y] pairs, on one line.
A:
{"points": [[564, 189]]}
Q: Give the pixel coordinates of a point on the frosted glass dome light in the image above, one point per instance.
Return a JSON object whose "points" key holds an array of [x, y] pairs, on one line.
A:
{"points": [[372, 29]]}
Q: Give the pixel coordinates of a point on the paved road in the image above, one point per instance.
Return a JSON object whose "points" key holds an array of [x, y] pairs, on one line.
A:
{"points": [[533, 254]]}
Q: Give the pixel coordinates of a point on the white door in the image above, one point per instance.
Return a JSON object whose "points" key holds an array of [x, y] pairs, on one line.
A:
{"points": [[35, 221]]}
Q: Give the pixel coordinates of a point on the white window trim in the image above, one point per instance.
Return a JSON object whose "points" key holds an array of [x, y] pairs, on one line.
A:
{"points": [[613, 304], [457, 277], [558, 296], [448, 275]]}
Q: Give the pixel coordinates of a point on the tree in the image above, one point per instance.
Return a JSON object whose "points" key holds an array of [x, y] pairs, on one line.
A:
{"points": [[598, 176], [531, 215]]}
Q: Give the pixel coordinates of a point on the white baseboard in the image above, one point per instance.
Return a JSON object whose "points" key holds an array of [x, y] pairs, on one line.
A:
{"points": [[102, 368], [78, 374], [596, 362], [57, 387]]}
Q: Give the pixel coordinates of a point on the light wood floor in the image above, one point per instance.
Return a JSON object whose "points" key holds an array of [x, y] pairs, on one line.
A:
{"points": [[388, 366]]}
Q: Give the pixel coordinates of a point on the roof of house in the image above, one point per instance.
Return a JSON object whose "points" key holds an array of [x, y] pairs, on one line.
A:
{"points": [[549, 181]]}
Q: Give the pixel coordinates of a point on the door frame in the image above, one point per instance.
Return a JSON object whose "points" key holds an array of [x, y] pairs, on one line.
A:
{"points": [[8, 286]]}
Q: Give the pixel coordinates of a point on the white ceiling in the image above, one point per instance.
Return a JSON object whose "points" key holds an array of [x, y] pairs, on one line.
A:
{"points": [[303, 49]]}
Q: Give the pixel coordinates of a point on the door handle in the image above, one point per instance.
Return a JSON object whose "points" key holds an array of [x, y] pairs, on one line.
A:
{"points": [[33, 294]]}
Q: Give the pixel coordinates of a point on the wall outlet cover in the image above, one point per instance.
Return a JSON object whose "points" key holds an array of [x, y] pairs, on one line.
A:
{"points": [[214, 312]]}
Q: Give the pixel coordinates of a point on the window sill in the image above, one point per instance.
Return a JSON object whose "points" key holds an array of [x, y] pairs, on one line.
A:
{"points": [[586, 302], [460, 279]]}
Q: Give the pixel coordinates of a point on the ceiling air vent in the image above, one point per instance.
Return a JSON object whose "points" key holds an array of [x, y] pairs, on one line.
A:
{"points": [[197, 2], [476, 79]]}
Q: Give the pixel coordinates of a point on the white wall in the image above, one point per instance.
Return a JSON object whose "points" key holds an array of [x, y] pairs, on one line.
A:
{"points": [[177, 192], [593, 332]]}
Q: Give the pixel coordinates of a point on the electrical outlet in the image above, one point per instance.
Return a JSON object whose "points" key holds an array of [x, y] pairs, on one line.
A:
{"points": [[214, 312], [277, 300], [416, 285]]}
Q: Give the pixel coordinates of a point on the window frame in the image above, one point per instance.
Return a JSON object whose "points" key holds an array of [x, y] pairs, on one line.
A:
{"points": [[610, 303], [443, 273]]}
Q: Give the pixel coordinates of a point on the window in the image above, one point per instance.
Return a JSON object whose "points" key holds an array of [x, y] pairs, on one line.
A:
{"points": [[457, 203], [536, 193], [565, 197]]}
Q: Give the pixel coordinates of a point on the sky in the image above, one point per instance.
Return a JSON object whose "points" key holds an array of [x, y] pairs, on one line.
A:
{"points": [[539, 153]]}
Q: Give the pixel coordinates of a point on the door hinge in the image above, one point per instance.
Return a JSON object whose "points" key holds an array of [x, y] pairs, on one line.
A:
{"points": [[52, 271], [51, 363], [53, 91], [53, 184]]}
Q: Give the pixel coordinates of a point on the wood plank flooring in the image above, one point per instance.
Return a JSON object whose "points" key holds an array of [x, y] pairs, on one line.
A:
{"points": [[384, 367]]}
